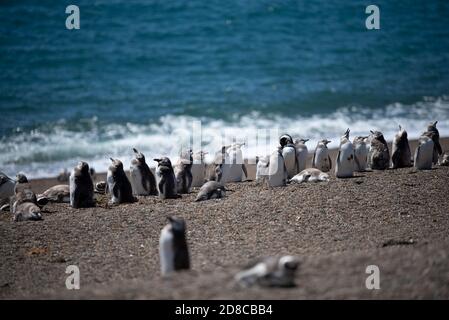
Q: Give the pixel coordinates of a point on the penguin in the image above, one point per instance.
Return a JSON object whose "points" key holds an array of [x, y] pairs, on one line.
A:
{"points": [[198, 169], [24, 204], [81, 187], [7, 186], [143, 182], [59, 193], [262, 166], [289, 153], [424, 153], [183, 172], [285, 139], [344, 167], [218, 168], [321, 158], [165, 179], [378, 155], [173, 249], [401, 156], [234, 163], [301, 153], [269, 272], [277, 173], [310, 175], [433, 133], [118, 184], [211, 190], [101, 187], [361, 149], [445, 159]]}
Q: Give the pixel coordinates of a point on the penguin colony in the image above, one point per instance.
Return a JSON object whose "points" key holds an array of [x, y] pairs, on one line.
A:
{"points": [[286, 164]]}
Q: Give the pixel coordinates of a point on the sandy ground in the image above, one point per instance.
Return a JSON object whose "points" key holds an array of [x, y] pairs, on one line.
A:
{"points": [[395, 219]]}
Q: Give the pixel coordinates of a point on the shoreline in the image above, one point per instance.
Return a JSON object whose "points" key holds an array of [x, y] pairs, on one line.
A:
{"points": [[395, 219]]}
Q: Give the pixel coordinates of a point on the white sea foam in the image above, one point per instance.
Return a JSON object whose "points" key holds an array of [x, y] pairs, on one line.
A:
{"points": [[45, 152]]}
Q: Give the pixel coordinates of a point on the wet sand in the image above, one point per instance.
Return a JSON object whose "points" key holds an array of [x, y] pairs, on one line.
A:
{"points": [[395, 219]]}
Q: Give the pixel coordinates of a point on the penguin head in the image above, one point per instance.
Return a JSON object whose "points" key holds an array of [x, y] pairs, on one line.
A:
{"points": [[83, 167], [139, 155], [301, 141], [21, 178], [288, 263], [116, 164], [178, 225], [346, 134], [285, 139], [432, 125], [378, 136], [164, 161]]}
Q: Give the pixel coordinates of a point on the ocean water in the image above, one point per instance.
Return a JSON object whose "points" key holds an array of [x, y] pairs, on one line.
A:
{"points": [[144, 74]]}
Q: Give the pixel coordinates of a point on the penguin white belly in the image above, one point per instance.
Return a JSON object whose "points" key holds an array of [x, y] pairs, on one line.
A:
{"points": [[72, 187], [322, 160], [361, 156], [301, 155], [262, 169], [344, 167], [111, 184], [136, 182], [289, 154], [198, 174], [277, 174], [424, 155], [235, 159], [166, 251]]}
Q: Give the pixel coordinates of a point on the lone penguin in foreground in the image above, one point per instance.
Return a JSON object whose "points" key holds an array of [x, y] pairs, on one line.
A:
{"points": [[424, 153], [211, 190], [118, 184], [360, 145], [165, 179], [173, 250], [269, 272], [142, 180], [321, 158], [81, 187], [401, 156], [344, 167], [379, 155], [434, 134], [183, 172]]}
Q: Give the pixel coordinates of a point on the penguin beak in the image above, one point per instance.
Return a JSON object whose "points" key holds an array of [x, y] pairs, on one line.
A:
{"points": [[111, 159], [157, 160], [135, 150], [305, 140], [435, 123], [371, 131], [400, 128]]}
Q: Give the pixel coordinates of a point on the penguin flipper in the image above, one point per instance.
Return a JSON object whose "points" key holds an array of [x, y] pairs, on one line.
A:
{"points": [[330, 162], [244, 171], [313, 160]]}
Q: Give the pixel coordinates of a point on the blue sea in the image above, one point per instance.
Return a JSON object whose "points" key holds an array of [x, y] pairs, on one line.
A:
{"points": [[144, 73]]}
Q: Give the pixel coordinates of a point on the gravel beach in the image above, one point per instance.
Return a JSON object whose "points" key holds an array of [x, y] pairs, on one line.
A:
{"points": [[395, 219]]}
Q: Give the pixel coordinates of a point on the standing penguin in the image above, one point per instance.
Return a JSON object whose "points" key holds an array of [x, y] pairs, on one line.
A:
{"points": [[290, 159], [165, 179], [277, 173], [173, 250], [235, 163], [401, 156], [360, 145], [262, 168], [301, 153], [379, 155], [183, 172], [321, 158], [424, 152], [433, 133], [118, 184], [142, 179], [81, 187], [198, 169], [344, 167]]}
